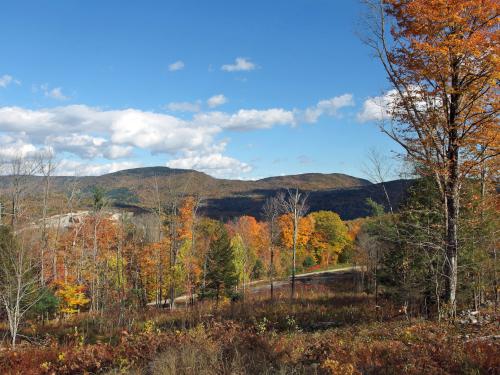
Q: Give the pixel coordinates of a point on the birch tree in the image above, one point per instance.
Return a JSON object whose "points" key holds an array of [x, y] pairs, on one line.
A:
{"points": [[271, 211], [293, 202], [19, 279]]}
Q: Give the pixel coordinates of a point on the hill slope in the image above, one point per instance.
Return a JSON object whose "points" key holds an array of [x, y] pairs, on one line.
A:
{"points": [[224, 198]]}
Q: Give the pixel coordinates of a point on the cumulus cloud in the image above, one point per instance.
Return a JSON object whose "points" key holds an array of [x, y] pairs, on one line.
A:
{"points": [[68, 167], [118, 152], [216, 101], [239, 65], [130, 127], [184, 106], [328, 107], [213, 162], [6, 80], [158, 132], [247, 119], [87, 146], [83, 145], [377, 108], [175, 66], [92, 133], [14, 147]]}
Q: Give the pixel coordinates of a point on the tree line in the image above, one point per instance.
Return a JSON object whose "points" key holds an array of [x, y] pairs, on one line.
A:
{"points": [[57, 261]]}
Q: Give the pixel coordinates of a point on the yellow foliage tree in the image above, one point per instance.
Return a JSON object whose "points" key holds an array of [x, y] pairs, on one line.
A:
{"points": [[71, 296]]}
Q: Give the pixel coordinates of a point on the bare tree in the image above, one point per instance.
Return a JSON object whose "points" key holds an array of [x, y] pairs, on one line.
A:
{"points": [[47, 166], [198, 201], [293, 203], [18, 279], [20, 170], [98, 205], [271, 211], [378, 168]]}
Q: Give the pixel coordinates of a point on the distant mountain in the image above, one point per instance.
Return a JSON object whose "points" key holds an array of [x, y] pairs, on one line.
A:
{"points": [[224, 198], [348, 202], [306, 181]]}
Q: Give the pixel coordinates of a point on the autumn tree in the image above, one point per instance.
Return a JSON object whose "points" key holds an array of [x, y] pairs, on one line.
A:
{"points": [[441, 58], [304, 233], [248, 243], [71, 296], [206, 231], [188, 216], [329, 236]]}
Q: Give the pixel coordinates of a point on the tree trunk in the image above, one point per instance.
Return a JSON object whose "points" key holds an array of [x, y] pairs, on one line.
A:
{"points": [[452, 208], [295, 230], [271, 275], [451, 254]]}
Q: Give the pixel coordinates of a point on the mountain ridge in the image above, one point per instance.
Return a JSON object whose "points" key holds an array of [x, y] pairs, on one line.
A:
{"points": [[226, 198]]}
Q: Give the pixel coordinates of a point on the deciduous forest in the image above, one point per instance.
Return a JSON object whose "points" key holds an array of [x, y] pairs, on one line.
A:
{"points": [[88, 286]]}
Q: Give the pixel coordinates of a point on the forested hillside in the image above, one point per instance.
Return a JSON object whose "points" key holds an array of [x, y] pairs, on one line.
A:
{"points": [[223, 199], [171, 271]]}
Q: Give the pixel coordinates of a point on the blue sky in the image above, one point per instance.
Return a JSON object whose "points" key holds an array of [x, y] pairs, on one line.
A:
{"points": [[238, 89]]}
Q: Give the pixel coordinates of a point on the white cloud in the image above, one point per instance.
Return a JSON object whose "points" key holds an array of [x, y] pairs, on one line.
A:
{"points": [[178, 65], [53, 93], [386, 106], [68, 167], [216, 101], [240, 64], [158, 132], [130, 127], [6, 80], [92, 133], [184, 106], [14, 147], [329, 107], [56, 93], [83, 145], [213, 162], [118, 152], [377, 108], [246, 119]]}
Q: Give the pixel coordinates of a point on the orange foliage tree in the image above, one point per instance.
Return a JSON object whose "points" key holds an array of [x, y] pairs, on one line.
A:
{"points": [[250, 244], [304, 233], [441, 57]]}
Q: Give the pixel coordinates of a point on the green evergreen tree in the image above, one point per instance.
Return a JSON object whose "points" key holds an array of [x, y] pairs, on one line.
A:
{"points": [[221, 277]]}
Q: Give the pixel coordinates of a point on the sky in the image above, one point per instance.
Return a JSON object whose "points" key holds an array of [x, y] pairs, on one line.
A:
{"points": [[237, 89]]}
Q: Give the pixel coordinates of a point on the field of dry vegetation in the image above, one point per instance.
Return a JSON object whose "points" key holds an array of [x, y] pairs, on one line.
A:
{"points": [[328, 329]]}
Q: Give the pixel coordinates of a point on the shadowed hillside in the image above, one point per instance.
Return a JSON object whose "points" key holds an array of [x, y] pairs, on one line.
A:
{"points": [[132, 189]]}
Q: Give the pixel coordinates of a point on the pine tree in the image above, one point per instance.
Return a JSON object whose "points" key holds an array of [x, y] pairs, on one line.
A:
{"points": [[221, 277]]}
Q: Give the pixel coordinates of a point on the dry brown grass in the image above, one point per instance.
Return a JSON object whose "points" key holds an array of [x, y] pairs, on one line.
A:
{"points": [[328, 330]]}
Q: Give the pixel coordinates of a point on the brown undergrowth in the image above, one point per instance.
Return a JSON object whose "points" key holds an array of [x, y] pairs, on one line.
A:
{"points": [[321, 332]]}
